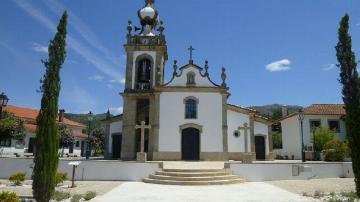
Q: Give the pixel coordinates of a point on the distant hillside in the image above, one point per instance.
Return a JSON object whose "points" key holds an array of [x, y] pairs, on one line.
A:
{"points": [[275, 109], [82, 118]]}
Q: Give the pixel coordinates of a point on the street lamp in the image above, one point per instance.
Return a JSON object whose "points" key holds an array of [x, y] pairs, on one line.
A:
{"points": [[3, 102], [301, 119], [88, 149]]}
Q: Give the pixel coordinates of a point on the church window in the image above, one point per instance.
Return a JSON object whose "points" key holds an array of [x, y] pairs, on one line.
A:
{"points": [[190, 78], [191, 108], [236, 134]]}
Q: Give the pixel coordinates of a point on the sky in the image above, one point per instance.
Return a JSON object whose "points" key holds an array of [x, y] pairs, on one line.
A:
{"points": [[277, 51]]}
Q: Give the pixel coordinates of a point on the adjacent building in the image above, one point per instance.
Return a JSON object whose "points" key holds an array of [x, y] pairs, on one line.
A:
{"points": [[317, 115], [26, 146]]}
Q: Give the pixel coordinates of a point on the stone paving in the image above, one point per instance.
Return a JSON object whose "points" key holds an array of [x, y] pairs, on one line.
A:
{"points": [[250, 191]]}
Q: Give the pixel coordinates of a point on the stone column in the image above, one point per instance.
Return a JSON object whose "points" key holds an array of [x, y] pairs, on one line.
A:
{"points": [[252, 135], [128, 133], [225, 127], [270, 140], [107, 152]]}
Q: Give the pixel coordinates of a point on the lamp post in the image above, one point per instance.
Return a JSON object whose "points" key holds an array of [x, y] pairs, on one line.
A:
{"points": [[301, 119], [3, 102], [88, 148]]}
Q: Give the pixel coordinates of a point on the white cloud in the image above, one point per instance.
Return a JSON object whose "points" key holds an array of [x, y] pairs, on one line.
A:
{"points": [[121, 81], [80, 100], [96, 78], [39, 48], [328, 67], [106, 66], [280, 65], [116, 110], [109, 86]]}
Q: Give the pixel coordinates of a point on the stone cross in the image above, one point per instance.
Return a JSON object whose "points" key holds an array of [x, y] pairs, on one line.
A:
{"points": [[142, 128], [191, 49], [245, 128]]}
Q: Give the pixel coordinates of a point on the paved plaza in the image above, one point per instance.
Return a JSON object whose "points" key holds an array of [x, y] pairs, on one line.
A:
{"points": [[250, 191]]}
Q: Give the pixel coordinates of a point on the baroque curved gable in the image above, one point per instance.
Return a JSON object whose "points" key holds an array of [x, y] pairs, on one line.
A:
{"points": [[199, 79]]}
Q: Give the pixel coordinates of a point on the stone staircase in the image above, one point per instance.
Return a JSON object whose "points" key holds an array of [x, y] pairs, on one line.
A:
{"points": [[195, 175]]}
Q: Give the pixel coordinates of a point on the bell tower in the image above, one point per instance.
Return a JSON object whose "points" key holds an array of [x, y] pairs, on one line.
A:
{"points": [[146, 53]]}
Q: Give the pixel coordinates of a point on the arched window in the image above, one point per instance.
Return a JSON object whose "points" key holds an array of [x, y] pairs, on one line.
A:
{"points": [[190, 78], [190, 108], [143, 71]]}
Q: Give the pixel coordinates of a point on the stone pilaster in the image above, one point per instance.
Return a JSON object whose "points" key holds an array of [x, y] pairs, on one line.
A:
{"points": [[129, 69], [107, 152], [128, 135], [252, 135], [156, 124], [224, 126], [270, 156]]}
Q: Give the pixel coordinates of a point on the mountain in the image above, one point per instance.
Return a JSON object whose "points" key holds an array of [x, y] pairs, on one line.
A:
{"points": [[83, 118], [275, 110]]}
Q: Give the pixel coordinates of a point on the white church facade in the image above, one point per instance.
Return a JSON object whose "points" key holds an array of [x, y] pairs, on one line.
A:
{"points": [[186, 118]]}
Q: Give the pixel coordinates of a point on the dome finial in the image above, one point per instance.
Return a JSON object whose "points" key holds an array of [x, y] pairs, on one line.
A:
{"points": [[149, 2]]}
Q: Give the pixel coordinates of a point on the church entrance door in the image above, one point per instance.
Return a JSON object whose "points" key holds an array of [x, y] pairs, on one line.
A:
{"points": [[190, 144], [116, 146], [260, 147]]}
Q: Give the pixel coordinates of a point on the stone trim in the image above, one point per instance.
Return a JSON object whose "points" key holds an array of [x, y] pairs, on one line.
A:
{"points": [[190, 125], [161, 48], [191, 98], [191, 89], [224, 124], [176, 156], [252, 132]]}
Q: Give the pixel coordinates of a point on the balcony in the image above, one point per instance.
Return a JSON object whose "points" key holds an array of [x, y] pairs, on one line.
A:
{"points": [[146, 40]]}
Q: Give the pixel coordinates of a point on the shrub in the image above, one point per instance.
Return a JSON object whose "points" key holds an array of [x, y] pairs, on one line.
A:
{"points": [[9, 197], [321, 137], [60, 178], [17, 178], [60, 195], [318, 194], [89, 195], [76, 198], [335, 150]]}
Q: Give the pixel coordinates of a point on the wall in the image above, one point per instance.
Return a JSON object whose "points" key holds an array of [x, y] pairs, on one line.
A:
{"points": [[291, 137], [235, 119], [172, 115], [199, 79], [87, 170], [284, 171], [115, 127]]}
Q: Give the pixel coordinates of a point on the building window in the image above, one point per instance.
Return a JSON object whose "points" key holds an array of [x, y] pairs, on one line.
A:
{"points": [[314, 124], [6, 142], [190, 108], [334, 125], [190, 79], [236, 134]]}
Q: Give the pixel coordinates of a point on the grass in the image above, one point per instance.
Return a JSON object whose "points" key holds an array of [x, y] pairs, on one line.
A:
{"points": [[89, 195], [60, 195]]}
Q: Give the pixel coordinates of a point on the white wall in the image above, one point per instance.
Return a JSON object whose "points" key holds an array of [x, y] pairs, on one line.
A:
{"points": [[87, 170], [172, 115], [291, 135], [115, 127], [283, 171], [236, 119], [199, 80]]}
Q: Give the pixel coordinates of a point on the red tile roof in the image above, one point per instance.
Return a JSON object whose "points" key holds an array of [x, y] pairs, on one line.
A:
{"points": [[326, 109], [31, 114]]}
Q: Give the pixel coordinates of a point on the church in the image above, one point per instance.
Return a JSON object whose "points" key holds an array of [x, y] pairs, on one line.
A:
{"points": [[187, 117]]}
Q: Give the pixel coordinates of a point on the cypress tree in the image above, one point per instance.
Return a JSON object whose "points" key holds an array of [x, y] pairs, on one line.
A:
{"points": [[47, 138], [349, 79]]}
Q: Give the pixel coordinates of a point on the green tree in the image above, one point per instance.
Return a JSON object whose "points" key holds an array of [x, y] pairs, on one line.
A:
{"points": [[66, 138], [321, 137], [98, 140], [277, 141], [349, 79], [11, 127], [47, 138]]}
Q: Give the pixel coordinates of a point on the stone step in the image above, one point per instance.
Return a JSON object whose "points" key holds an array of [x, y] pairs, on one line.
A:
{"points": [[193, 170], [194, 174], [203, 178], [212, 182]]}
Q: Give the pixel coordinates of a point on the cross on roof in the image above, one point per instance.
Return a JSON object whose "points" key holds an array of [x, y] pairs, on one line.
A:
{"points": [[191, 49]]}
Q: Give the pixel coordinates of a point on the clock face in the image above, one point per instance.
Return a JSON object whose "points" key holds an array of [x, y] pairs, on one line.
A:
{"points": [[145, 41]]}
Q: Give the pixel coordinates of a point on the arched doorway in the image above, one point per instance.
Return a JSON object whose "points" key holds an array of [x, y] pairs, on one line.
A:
{"points": [[260, 147], [190, 144]]}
